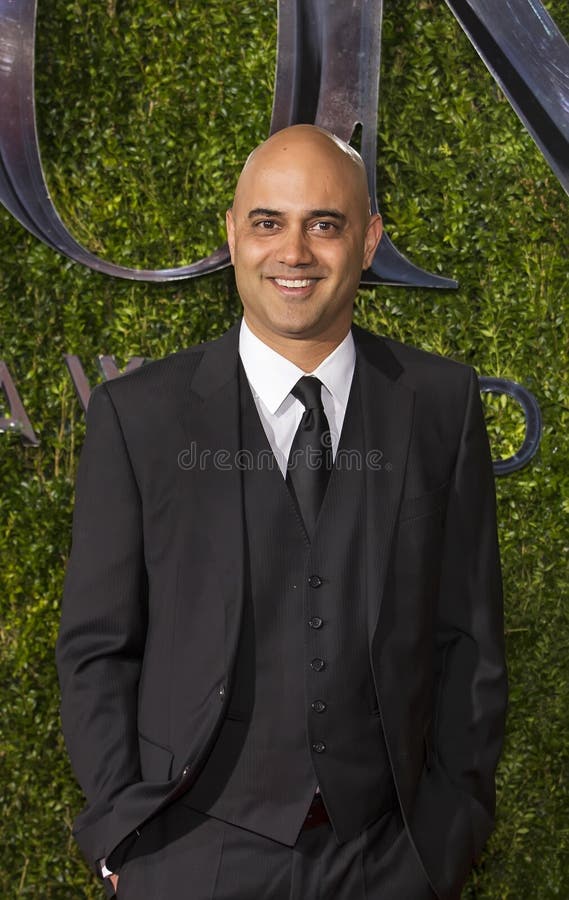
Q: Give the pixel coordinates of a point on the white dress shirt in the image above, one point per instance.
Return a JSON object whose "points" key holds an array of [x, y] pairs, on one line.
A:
{"points": [[271, 378]]}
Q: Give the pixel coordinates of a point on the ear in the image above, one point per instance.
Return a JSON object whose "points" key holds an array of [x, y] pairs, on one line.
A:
{"points": [[230, 225], [372, 238]]}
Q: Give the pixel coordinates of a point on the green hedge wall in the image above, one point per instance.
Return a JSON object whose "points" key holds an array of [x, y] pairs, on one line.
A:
{"points": [[147, 108]]}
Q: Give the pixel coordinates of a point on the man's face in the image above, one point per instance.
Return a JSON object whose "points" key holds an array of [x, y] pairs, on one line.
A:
{"points": [[300, 234]]}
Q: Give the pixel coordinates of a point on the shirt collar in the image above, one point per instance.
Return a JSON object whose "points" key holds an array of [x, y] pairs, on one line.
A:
{"points": [[272, 376]]}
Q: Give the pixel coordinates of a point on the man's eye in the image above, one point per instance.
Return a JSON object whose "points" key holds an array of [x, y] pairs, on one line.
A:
{"points": [[324, 226], [266, 224]]}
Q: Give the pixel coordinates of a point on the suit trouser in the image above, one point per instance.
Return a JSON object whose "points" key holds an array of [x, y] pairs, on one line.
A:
{"points": [[185, 855]]}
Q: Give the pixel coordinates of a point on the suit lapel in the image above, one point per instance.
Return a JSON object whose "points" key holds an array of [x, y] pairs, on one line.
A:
{"points": [[212, 423], [388, 414]]}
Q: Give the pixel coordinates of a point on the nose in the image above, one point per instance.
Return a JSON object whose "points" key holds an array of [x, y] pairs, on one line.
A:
{"points": [[294, 249]]}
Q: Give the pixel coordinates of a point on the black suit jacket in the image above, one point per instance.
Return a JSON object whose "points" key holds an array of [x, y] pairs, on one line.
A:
{"points": [[154, 592]]}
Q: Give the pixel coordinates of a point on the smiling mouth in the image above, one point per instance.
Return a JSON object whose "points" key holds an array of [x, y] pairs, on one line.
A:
{"points": [[294, 282]]}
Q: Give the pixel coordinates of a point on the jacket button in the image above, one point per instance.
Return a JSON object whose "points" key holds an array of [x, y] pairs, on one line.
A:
{"points": [[221, 691], [319, 747], [316, 622], [315, 581], [319, 706], [185, 772], [317, 664]]}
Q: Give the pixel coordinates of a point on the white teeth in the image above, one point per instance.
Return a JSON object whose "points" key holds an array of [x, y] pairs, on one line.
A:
{"points": [[293, 282]]}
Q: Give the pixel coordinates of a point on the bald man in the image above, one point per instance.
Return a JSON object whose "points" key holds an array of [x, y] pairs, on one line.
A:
{"points": [[281, 651]]}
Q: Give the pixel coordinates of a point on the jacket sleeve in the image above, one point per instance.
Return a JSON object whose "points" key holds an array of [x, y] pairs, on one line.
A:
{"points": [[453, 814], [101, 640], [471, 697]]}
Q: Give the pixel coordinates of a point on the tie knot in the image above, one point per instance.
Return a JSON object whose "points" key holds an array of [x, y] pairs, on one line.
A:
{"points": [[308, 390]]}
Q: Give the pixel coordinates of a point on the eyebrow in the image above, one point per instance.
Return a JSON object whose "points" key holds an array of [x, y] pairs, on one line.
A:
{"points": [[312, 214], [327, 214], [260, 211]]}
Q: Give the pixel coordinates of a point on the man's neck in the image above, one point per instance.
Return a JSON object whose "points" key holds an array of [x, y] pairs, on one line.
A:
{"points": [[306, 353]]}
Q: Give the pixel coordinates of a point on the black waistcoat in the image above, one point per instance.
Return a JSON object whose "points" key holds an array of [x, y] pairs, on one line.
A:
{"points": [[303, 710]]}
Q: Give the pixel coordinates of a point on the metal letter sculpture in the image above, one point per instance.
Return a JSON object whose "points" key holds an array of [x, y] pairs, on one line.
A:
{"points": [[532, 415], [17, 421], [529, 58], [327, 74]]}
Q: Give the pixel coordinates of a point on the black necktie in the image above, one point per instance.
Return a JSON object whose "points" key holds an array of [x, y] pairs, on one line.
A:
{"points": [[310, 458]]}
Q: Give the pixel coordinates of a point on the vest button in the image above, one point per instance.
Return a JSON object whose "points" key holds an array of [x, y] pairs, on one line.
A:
{"points": [[319, 706], [317, 664], [316, 622], [315, 581], [319, 747]]}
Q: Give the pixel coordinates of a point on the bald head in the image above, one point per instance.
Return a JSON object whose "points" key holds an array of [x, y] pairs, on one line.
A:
{"points": [[300, 232], [305, 145]]}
